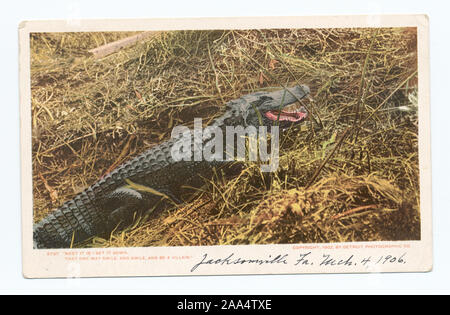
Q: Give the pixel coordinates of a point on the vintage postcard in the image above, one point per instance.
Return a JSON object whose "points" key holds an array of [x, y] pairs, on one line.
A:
{"points": [[220, 146]]}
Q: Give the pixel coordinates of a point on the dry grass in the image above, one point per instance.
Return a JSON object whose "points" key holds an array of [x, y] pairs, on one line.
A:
{"points": [[349, 174]]}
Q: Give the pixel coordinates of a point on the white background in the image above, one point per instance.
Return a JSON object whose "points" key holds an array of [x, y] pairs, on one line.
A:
{"points": [[11, 280]]}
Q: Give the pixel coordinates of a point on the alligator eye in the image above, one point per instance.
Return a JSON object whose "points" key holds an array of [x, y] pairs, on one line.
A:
{"points": [[265, 98]]}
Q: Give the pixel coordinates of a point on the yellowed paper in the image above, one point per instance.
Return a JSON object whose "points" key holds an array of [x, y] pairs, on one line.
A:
{"points": [[351, 190]]}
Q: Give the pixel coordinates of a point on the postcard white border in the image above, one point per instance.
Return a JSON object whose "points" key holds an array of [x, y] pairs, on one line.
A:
{"points": [[57, 263]]}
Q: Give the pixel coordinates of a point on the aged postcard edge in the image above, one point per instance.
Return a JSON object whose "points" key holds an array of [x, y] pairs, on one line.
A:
{"points": [[37, 265]]}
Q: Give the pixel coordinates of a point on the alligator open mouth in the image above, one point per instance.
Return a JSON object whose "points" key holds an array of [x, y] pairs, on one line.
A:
{"points": [[296, 115]]}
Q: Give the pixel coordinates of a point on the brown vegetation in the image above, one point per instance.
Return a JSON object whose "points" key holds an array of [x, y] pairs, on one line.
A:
{"points": [[348, 174]]}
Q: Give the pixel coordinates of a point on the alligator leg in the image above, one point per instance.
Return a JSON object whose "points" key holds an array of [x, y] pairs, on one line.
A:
{"points": [[128, 203], [122, 204], [172, 198]]}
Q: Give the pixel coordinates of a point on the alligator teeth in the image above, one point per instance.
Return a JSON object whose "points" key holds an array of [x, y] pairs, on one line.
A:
{"points": [[295, 115]]}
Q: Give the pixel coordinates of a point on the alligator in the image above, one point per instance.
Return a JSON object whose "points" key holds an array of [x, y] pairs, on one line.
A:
{"points": [[152, 178]]}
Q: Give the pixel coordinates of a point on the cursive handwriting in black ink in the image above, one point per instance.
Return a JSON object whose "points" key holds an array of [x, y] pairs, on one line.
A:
{"points": [[331, 261], [230, 260], [302, 260]]}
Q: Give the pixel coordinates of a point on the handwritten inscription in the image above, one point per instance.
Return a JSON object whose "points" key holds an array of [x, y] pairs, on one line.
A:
{"points": [[231, 260], [305, 258], [324, 260]]}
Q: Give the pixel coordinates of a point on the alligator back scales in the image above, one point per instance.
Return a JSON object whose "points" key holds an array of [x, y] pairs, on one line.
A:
{"points": [[112, 199]]}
